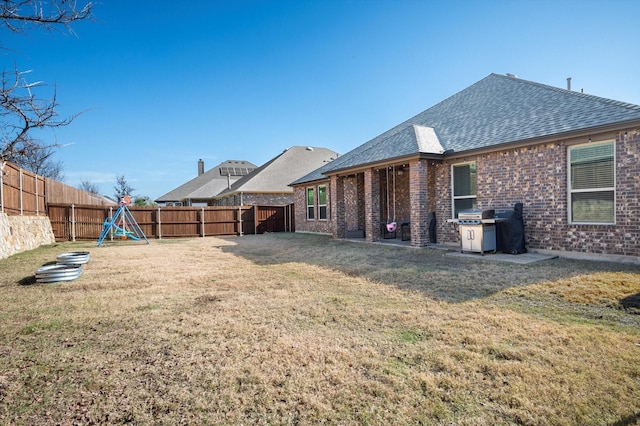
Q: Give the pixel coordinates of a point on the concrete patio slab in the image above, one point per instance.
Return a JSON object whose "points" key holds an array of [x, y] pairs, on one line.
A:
{"points": [[522, 259]]}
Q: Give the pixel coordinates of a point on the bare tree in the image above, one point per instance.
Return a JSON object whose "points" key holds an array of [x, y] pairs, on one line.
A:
{"points": [[89, 187], [20, 113], [122, 188], [38, 159], [21, 110]]}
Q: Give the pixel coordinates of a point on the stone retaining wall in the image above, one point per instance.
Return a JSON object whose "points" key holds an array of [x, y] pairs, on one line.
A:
{"points": [[22, 233]]}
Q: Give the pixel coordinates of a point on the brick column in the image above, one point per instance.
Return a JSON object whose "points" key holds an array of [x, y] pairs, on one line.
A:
{"points": [[419, 200], [372, 204], [336, 195]]}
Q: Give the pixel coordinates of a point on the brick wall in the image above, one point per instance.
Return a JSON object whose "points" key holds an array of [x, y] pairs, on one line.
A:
{"points": [[336, 207], [250, 199], [354, 202], [537, 177], [314, 225]]}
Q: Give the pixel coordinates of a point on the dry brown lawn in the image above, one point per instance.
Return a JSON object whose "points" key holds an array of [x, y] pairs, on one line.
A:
{"points": [[302, 329]]}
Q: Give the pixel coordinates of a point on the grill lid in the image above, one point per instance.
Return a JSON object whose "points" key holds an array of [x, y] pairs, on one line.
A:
{"points": [[476, 214]]}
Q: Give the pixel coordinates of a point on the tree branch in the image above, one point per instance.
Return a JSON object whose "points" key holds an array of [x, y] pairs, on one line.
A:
{"points": [[17, 14]]}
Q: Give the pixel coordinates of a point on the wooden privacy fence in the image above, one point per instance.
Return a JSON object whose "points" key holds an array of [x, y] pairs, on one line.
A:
{"points": [[21, 192], [28, 194], [58, 192], [85, 222]]}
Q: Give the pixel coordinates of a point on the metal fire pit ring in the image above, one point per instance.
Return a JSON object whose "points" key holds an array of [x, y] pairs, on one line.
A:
{"points": [[58, 273], [74, 258]]}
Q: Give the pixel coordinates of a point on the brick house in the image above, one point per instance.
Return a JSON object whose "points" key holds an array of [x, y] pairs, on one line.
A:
{"points": [[571, 158]]}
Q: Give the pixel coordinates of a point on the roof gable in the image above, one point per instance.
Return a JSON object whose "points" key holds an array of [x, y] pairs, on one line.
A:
{"points": [[276, 175]]}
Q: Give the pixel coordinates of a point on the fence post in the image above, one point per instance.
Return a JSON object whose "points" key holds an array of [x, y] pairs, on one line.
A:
{"points": [[2, 164], [159, 225], [21, 191], [255, 219], [202, 221], [35, 177], [73, 222], [111, 220]]}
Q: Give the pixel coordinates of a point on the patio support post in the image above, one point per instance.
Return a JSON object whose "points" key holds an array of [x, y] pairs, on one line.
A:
{"points": [[372, 204], [419, 200], [336, 195]]}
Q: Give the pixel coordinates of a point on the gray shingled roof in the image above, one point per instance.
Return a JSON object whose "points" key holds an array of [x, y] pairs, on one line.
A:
{"points": [[496, 110], [207, 185], [276, 175]]}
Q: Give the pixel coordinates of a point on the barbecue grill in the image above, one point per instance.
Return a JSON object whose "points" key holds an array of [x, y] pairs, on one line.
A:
{"points": [[477, 230]]}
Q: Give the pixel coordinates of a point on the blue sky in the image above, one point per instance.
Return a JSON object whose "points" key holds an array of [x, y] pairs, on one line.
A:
{"points": [[164, 83]]}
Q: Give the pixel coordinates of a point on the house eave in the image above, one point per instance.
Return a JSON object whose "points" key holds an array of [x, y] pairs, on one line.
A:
{"points": [[231, 193], [324, 179], [585, 134], [385, 163]]}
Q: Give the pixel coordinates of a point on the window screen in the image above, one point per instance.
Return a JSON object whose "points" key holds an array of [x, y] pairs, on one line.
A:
{"points": [[322, 202], [464, 187], [310, 203], [592, 183]]}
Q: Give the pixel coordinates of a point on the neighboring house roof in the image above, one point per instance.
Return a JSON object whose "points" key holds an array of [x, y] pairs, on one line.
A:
{"points": [[210, 183], [494, 111], [276, 175], [106, 199]]}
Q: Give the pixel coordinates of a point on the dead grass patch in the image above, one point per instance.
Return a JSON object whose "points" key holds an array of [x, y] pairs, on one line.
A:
{"points": [[301, 329]]}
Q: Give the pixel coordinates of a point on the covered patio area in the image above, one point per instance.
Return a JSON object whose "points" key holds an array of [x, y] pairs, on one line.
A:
{"points": [[388, 202]]}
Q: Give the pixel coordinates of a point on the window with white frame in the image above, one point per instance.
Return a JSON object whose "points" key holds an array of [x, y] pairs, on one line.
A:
{"points": [[322, 202], [592, 183], [464, 186], [311, 199]]}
